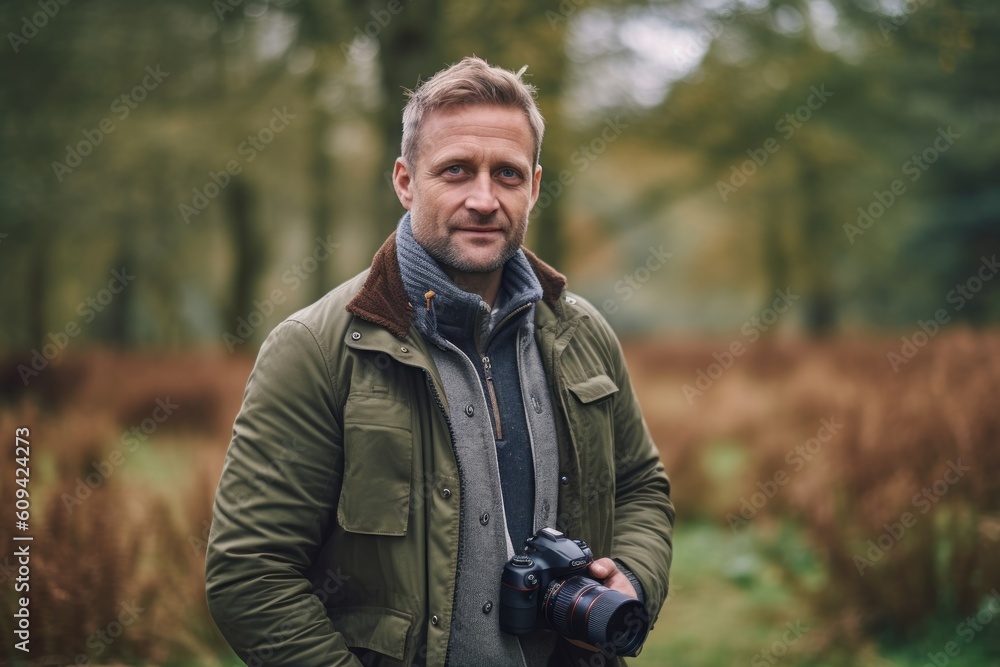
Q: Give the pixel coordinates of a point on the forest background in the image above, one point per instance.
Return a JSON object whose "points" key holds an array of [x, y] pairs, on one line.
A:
{"points": [[788, 209]]}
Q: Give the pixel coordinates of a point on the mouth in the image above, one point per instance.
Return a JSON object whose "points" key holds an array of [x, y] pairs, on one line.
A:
{"points": [[480, 231]]}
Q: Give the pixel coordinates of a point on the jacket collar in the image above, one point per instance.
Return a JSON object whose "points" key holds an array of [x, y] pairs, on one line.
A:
{"points": [[382, 299]]}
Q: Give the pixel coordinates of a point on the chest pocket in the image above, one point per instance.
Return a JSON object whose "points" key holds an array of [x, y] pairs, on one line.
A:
{"points": [[590, 414], [378, 464], [590, 417]]}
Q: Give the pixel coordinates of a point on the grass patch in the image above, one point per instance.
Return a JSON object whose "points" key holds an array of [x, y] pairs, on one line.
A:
{"points": [[728, 604], [731, 600]]}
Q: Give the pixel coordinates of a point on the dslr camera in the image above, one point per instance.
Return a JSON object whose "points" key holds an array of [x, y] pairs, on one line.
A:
{"points": [[546, 586]]}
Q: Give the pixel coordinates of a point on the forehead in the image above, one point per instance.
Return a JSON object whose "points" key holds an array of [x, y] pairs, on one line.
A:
{"points": [[477, 131]]}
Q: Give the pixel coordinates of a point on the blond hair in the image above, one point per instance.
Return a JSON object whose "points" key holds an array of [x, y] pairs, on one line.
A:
{"points": [[470, 81]]}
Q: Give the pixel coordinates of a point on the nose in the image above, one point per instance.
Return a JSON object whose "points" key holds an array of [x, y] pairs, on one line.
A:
{"points": [[481, 197]]}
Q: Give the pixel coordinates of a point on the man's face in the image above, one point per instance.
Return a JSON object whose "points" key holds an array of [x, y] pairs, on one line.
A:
{"points": [[471, 186]]}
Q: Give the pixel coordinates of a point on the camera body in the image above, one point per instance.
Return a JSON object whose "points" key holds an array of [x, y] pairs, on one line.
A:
{"points": [[547, 586], [548, 556]]}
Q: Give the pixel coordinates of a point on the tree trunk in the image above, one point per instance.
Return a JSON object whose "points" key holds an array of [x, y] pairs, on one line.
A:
{"points": [[248, 248], [409, 50]]}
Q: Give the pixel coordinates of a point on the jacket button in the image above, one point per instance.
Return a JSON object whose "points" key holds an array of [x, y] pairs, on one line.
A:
{"points": [[564, 480], [404, 349], [570, 300], [485, 518], [469, 410], [435, 620], [356, 335], [446, 493], [488, 607]]}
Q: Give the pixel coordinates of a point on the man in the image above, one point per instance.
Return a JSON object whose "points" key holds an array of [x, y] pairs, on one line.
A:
{"points": [[400, 438]]}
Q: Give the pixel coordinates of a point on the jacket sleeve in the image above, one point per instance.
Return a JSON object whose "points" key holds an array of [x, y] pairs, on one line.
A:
{"points": [[644, 512], [275, 498]]}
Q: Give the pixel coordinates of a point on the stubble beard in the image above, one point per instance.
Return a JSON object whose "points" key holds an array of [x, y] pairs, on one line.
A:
{"points": [[444, 251]]}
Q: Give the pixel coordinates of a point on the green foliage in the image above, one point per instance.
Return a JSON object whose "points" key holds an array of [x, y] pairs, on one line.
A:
{"points": [[189, 187]]}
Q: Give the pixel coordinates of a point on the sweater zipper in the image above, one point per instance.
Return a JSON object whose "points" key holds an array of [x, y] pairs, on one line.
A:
{"points": [[488, 370]]}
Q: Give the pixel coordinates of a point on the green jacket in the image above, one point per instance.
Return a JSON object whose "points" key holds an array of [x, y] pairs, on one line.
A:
{"points": [[336, 522]]}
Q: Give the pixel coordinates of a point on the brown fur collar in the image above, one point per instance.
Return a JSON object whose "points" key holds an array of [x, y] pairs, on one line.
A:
{"points": [[382, 299]]}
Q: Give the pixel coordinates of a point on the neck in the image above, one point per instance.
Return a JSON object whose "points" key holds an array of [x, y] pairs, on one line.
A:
{"points": [[486, 285]]}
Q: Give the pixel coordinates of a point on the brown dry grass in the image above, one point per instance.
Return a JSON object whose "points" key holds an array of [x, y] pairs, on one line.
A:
{"points": [[136, 540], [128, 541], [899, 433]]}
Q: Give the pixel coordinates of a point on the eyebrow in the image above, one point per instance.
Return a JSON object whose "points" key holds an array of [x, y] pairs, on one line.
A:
{"points": [[450, 158]]}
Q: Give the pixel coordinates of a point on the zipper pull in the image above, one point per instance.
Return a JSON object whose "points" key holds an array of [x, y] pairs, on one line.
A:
{"points": [[487, 368]]}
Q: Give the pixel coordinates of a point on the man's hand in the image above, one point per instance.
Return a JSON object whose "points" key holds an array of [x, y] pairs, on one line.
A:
{"points": [[606, 571]]}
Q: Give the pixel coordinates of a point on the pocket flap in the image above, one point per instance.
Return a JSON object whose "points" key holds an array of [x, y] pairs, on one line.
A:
{"points": [[377, 629], [594, 388]]}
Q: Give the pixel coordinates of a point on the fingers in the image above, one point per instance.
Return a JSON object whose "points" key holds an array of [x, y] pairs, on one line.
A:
{"points": [[603, 568], [619, 582], [606, 570]]}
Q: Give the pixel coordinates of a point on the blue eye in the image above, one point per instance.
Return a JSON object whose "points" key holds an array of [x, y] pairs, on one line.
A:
{"points": [[453, 169], [508, 173]]}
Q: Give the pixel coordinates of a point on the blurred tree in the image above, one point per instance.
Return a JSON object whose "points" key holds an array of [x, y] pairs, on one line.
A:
{"points": [[341, 67], [894, 80]]}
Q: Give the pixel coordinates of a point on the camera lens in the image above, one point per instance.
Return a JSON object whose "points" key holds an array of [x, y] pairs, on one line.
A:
{"points": [[581, 608]]}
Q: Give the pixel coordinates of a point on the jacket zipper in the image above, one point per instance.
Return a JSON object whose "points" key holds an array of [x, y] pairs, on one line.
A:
{"points": [[488, 371]]}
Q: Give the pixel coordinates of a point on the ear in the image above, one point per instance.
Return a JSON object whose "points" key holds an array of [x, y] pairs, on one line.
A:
{"points": [[536, 185], [402, 183]]}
